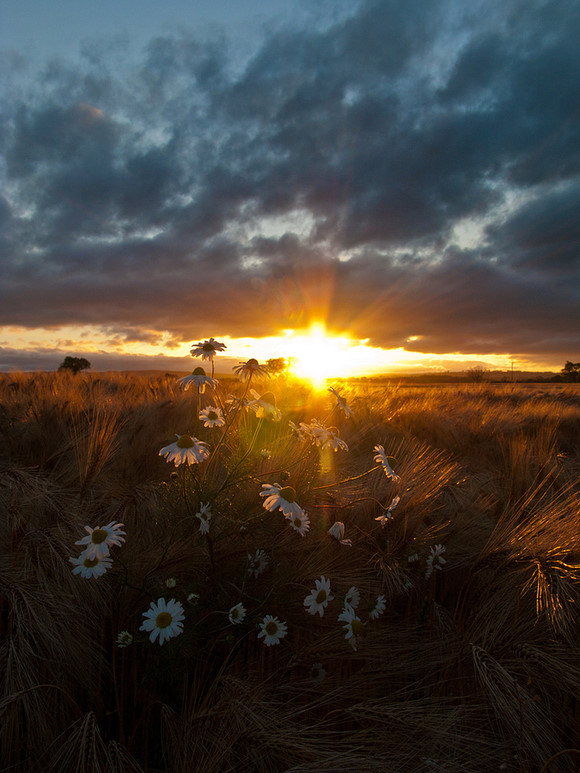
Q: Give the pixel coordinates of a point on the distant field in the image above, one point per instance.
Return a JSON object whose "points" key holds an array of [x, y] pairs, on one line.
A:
{"points": [[470, 663]]}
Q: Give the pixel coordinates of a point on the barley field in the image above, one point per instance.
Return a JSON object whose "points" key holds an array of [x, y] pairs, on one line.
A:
{"points": [[381, 578]]}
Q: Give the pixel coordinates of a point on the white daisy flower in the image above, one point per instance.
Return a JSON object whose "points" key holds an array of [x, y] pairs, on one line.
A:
{"points": [[300, 522], [354, 627], [352, 598], [322, 436], [212, 417], [272, 630], [382, 458], [198, 379], [193, 599], [377, 608], [204, 516], [435, 560], [163, 620], [186, 449], [90, 567], [258, 563], [281, 498], [265, 406], [317, 600], [99, 540], [342, 404], [170, 582], [337, 531], [389, 514], [317, 673], [236, 614], [124, 639], [250, 369], [207, 349], [299, 430]]}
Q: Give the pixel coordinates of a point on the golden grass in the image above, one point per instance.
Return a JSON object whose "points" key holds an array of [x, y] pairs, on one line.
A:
{"points": [[473, 670]]}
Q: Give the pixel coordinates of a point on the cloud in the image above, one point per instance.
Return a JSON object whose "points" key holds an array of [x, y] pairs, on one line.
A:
{"points": [[181, 194]]}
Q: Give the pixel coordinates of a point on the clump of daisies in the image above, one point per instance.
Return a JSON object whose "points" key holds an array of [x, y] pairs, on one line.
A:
{"points": [[95, 558], [435, 560]]}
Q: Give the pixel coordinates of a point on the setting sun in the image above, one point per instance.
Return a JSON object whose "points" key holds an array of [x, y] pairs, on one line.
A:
{"points": [[319, 356]]}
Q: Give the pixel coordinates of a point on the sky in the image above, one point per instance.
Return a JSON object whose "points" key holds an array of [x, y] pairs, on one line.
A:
{"points": [[406, 172]]}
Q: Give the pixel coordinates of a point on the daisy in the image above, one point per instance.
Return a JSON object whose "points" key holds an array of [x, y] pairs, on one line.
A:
{"points": [[435, 560], [236, 614], [198, 379], [207, 349], [301, 431], [354, 627], [186, 449], [204, 516], [258, 563], [318, 599], [164, 619], [265, 406], [250, 369], [124, 639], [212, 417], [352, 598], [170, 582], [282, 498], [317, 673], [193, 599], [322, 436], [90, 567], [377, 608], [300, 523], [342, 404], [272, 630], [389, 514], [337, 531], [100, 539], [386, 461]]}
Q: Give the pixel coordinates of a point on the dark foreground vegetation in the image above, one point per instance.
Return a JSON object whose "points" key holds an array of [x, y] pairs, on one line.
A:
{"points": [[471, 668]]}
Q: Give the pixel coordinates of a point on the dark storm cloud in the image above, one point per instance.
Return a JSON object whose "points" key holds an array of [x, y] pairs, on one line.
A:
{"points": [[153, 195]]}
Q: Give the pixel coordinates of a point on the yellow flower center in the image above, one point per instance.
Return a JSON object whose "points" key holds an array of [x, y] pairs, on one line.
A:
{"points": [[288, 493], [198, 372], [163, 620], [321, 596], [98, 536], [235, 613], [252, 363], [212, 415], [90, 562], [185, 441], [268, 398], [357, 627], [271, 628], [297, 523], [208, 348]]}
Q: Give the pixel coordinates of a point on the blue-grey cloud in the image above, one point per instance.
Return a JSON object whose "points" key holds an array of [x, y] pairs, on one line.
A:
{"points": [[336, 170]]}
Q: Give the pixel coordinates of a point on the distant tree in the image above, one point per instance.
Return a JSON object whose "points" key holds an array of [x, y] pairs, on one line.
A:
{"points": [[74, 364], [477, 374], [571, 371], [277, 365]]}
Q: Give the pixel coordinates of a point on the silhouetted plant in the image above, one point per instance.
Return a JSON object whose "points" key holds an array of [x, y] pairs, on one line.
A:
{"points": [[74, 364]]}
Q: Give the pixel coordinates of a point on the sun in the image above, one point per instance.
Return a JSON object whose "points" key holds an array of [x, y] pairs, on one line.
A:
{"points": [[317, 355]]}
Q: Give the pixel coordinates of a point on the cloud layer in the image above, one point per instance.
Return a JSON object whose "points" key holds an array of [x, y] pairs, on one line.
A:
{"points": [[411, 170]]}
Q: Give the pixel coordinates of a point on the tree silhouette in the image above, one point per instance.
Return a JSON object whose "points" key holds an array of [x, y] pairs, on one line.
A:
{"points": [[571, 371], [74, 364]]}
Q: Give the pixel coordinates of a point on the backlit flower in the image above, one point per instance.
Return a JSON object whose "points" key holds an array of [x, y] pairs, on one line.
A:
{"points": [[317, 600], [389, 514], [198, 379], [342, 404], [207, 349], [90, 567], [212, 417], [281, 498], [354, 627], [250, 369], [258, 563], [204, 516], [265, 406], [377, 608], [352, 598], [300, 522], [237, 614], [382, 458], [337, 531], [99, 540], [124, 639], [322, 436], [435, 560], [272, 630], [185, 450], [163, 620]]}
